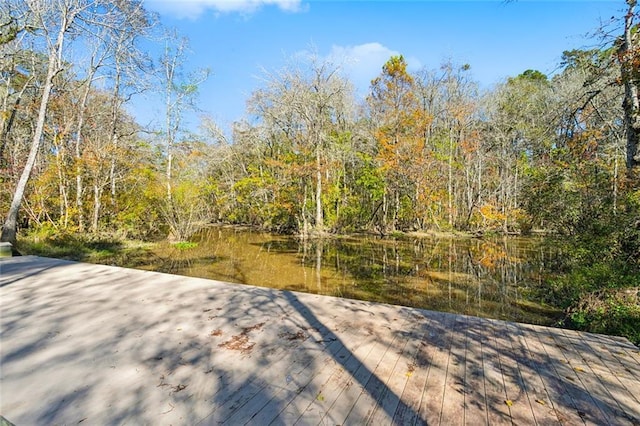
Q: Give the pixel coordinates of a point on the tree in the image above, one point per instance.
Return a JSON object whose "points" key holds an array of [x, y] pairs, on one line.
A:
{"points": [[521, 129], [53, 24], [629, 58], [399, 132], [452, 147], [54, 20], [180, 93], [305, 106]]}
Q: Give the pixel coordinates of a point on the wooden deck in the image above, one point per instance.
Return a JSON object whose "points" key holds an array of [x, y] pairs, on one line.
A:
{"points": [[97, 345]]}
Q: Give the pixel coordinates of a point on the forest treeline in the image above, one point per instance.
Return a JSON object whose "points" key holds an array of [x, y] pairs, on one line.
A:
{"points": [[424, 150]]}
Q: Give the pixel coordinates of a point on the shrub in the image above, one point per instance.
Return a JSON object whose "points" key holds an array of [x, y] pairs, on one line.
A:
{"points": [[608, 311]]}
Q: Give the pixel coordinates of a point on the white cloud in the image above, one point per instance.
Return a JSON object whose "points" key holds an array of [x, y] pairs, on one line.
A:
{"points": [[363, 62], [192, 9]]}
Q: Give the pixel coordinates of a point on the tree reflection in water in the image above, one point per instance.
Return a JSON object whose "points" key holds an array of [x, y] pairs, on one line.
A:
{"points": [[483, 277]]}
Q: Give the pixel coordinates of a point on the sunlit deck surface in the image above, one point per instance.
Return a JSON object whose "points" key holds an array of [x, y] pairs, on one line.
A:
{"points": [[99, 345]]}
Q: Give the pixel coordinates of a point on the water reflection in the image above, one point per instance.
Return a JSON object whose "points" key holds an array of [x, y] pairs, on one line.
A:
{"points": [[487, 278]]}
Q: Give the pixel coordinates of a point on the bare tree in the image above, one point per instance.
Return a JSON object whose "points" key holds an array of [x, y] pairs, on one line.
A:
{"points": [[180, 95], [305, 102]]}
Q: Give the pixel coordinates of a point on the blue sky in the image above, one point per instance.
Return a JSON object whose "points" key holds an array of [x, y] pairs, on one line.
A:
{"points": [[498, 39]]}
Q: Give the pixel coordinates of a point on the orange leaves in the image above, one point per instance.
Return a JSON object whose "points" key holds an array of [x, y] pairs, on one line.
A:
{"points": [[491, 213], [471, 143], [584, 146], [402, 122]]}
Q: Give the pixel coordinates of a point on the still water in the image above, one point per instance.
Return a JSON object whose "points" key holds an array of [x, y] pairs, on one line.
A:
{"points": [[483, 277]]}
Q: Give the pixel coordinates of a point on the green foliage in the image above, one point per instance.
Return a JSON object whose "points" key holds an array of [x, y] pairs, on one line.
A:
{"points": [[615, 312], [370, 180], [185, 245], [598, 272], [531, 75], [261, 200], [8, 31], [140, 216], [592, 59], [565, 290]]}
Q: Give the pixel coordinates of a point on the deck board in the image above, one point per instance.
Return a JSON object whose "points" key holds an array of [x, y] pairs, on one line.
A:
{"points": [[379, 369], [407, 413], [433, 396], [352, 388], [530, 367], [518, 399], [475, 393], [95, 344], [453, 397]]}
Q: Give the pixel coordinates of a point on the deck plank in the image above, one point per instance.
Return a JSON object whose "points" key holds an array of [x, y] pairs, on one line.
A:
{"points": [[96, 344], [564, 406], [453, 406], [475, 394], [610, 381], [372, 390], [391, 401], [530, 365], [336, 361], [343, 402], [498, 410], [517, 397], [588, 374], [408, 413], [433, 395]]}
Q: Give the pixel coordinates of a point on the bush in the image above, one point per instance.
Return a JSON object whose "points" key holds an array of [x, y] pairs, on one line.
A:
{"points": [[598, 273], [566, 290], [609, 311]]}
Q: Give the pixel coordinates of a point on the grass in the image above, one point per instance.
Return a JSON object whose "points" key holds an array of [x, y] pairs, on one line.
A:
{"points": [[185, 245], [92, 248]]}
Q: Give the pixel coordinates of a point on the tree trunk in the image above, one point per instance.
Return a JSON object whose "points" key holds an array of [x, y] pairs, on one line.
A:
{"points": [[450, 179], [114, 135], [97, 205], [319, 217], [79, 168], [62, 185], [6, 128], [9, 230], [631, 104]]}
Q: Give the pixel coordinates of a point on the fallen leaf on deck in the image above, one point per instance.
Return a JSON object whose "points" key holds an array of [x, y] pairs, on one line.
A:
{"points": [[509, 402], [178, 388], [541, 402]]}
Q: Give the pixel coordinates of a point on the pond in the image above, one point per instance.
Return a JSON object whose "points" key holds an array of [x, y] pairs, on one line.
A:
{"points": [[483, 277]]}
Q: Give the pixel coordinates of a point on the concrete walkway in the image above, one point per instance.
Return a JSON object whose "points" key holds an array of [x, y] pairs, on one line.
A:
{"points": [[98, 345]]}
